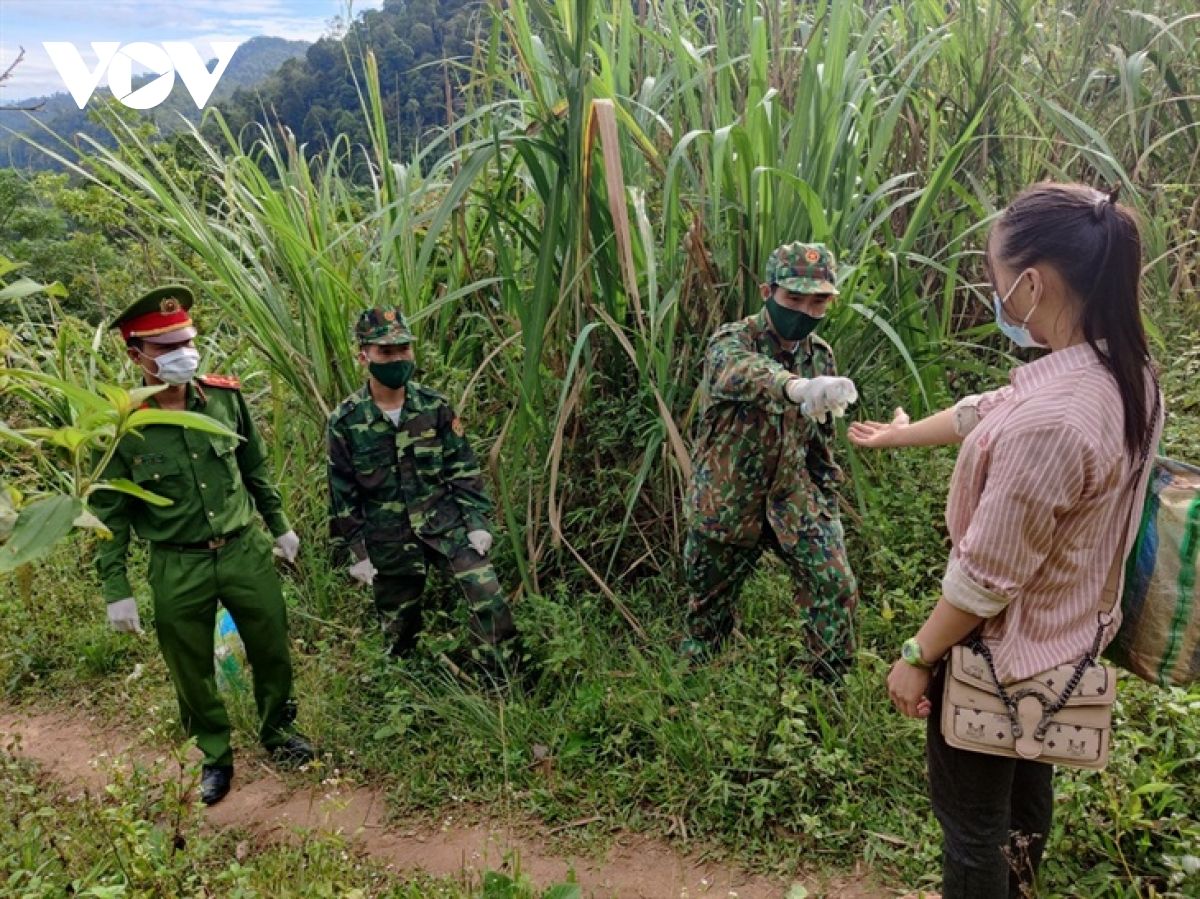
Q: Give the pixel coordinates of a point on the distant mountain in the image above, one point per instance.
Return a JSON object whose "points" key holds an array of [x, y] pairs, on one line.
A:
{"points": [[423, 49], [253, 63]]}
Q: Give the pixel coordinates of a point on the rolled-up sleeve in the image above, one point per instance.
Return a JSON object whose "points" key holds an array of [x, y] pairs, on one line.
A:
{"points": [[971, 410], [1035, 474]]}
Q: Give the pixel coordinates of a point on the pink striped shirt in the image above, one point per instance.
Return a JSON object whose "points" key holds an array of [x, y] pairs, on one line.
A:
{"points": [[1037, 509]]}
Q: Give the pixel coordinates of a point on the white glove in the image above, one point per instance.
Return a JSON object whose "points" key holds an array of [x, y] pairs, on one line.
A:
{"points": [[123, 616], [821, 396], [481, 541], [363, 572], [287, 546]]}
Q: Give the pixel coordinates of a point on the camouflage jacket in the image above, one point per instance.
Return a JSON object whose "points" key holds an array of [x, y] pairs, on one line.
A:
{"points": [[756, 458], [387, 481]]}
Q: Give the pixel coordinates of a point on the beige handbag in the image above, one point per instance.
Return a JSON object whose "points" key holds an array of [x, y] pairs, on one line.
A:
{"points": [[1062, 716]]}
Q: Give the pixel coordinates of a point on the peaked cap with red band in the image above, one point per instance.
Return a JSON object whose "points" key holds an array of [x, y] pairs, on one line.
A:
{"points": [[160, 316]]}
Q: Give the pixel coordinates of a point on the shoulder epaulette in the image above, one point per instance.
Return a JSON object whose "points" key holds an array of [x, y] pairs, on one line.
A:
{"points": [[428, 393], [227, 381], [345, 407]]}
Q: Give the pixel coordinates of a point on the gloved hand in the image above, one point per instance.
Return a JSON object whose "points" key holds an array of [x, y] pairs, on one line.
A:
{"points": [[821, 396], [123, 616], [363, 572], [287, 546], [481, 541]]}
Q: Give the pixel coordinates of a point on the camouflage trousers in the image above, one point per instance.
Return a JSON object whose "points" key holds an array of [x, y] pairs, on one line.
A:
{"points": [[400, 583], [826, 590]]}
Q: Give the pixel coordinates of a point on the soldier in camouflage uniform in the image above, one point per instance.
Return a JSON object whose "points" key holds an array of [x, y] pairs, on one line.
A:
{"points": [[764, 476], [406, 491]]}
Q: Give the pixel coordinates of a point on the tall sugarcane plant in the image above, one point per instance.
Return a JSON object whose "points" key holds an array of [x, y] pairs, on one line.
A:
{"points": [[612, 179]]}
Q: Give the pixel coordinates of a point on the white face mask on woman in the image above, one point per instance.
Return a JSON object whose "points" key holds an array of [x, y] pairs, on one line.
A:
{"points": [[1018, 334], [178, 366]]}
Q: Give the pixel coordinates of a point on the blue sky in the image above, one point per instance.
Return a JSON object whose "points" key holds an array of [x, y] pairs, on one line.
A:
{"points": [[27, 23]]}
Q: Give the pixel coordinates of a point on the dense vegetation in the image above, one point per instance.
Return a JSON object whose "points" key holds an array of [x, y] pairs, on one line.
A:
{"points": [[612, 181], [424, 49]]}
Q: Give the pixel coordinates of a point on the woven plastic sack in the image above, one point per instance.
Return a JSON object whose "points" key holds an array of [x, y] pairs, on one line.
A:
{"points": [[1159, 637]]}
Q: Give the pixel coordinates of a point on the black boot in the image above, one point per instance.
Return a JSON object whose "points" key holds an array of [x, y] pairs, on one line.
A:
{"points": [[295, 752], [214, 783]]}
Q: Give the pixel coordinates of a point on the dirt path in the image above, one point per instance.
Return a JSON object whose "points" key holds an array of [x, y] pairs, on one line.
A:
{"points": [[637, 867]]}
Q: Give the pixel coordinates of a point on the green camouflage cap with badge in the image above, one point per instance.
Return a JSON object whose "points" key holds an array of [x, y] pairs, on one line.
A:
{"points": [[382, 325], [803, 268]]}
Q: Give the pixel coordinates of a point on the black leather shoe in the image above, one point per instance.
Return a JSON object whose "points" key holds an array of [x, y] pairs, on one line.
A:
{"points": [[295, 752], [214, 783]]}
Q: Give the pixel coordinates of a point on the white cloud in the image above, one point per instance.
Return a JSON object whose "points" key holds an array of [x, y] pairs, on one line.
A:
{"points": [[34, 77]]}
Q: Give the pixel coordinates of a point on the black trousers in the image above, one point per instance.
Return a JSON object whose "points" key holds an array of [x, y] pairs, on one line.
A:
{"points": [[995, 814]]}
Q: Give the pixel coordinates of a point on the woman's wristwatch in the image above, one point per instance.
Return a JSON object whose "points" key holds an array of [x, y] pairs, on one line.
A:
{"points": [[910, 651]]}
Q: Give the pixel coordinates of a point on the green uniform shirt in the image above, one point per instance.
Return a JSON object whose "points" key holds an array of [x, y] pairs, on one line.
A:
{"points": [[757, 459], [215, 484], [388, 481]]}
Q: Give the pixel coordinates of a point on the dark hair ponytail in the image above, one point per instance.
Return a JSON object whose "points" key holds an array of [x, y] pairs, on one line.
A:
{"points": [[1095, 246]]}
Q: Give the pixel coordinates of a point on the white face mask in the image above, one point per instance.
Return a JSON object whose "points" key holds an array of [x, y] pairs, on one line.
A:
{"points": [[178, 366], [1018, 334]]}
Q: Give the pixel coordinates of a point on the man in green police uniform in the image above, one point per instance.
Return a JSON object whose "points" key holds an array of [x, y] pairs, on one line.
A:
{"points": [[406, 491], [204, 547]]}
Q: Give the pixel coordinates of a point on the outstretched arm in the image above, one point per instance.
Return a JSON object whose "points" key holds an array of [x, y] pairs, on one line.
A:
{"points": [[940, 429], [936, 430]]}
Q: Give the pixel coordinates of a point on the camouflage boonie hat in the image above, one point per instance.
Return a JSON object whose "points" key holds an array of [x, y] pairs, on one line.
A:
{"points": [[803, 268], [382, 325]]}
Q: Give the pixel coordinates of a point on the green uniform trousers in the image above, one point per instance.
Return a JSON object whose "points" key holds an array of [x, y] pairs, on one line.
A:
{"points": [[187, 585], [400, 582], [826, 590]]}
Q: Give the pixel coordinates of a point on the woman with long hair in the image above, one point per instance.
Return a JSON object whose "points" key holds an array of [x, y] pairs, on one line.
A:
{"points": [[1038, 509]]}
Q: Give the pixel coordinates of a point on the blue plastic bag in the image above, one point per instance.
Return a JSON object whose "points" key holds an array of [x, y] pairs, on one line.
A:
{"points": [[229, 655]]}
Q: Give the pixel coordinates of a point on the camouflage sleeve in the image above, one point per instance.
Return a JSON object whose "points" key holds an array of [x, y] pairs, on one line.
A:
{"points": [[346, 519], [252, 461], [460, 467], [112, 508], [738, 373], [826, 474]]}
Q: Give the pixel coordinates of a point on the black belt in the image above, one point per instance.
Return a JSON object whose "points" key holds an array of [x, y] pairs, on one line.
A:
{"points": [[205, 545]]}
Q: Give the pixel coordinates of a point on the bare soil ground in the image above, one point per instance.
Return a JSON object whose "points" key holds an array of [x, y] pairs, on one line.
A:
{"points": [[69, 745]]}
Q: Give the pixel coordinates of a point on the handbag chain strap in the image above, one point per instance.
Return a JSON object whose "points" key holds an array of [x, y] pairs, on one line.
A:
{"points": [[1104, 617], [1048, 711]]}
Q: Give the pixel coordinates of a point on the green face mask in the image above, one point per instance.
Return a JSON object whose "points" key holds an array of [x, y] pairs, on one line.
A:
{"points": [[791, 324], [392, 375]]}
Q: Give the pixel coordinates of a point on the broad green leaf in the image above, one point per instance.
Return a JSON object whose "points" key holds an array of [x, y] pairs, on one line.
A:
{"points": [[81, 398], [118, 396], [563, 891], [15, 436], [39, 526], [49, 434], [87, 521], [194, 420], [139, 395], [121, 485], [69, 437], [20, 289], [1156, 787], [9, 498]]}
